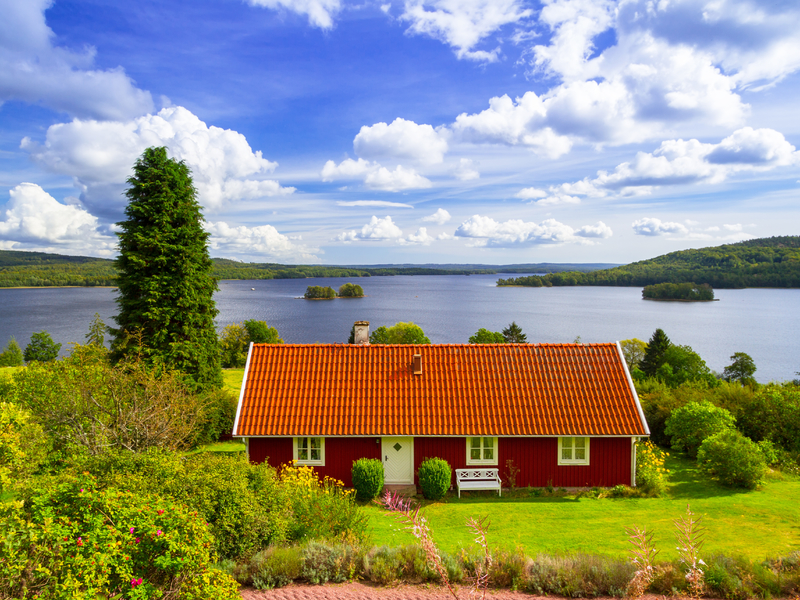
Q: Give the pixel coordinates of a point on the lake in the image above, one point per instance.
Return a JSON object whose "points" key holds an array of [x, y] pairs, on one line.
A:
{"points": [[764, 323]]}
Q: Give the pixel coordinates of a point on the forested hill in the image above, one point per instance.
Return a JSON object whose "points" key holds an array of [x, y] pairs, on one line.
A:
{"points": [[39, 269], [765, 262]]}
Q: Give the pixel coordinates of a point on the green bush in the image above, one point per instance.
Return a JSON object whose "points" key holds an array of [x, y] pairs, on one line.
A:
{"points": [[72, 539], [383, 565], [367, 476], [324, 562], [219, 413], [689, 425], [578, 576], [733, 459], [434, 478], [41, 348], [276, 567]]}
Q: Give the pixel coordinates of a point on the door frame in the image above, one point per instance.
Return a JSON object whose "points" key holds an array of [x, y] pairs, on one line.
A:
{"points": [[394, 439]]}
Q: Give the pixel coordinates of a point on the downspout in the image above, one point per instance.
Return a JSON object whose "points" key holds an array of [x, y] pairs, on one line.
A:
{"points": [[633, 461]]}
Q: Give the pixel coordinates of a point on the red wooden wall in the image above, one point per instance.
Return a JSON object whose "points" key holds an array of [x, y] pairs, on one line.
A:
{"points": [[536, 458], [339, 454]]}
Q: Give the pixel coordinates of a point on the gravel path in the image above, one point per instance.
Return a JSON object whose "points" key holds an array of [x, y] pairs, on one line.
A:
{"points": [[362, 591]]}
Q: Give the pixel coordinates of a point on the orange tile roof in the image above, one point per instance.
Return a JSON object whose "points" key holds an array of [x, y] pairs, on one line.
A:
{"points": [[464, 390]]}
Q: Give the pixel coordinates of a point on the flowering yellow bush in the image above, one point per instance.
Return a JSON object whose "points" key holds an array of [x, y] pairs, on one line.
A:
{"points": [[651, 475], [322, 508]]}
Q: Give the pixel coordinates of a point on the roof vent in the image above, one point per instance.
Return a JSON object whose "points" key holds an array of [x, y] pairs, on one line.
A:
{"points": [[418, 364]]}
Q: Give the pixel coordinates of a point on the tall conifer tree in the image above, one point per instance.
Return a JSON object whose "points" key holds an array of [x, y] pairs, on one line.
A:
{"points": [[654, 355], [166, 306]]}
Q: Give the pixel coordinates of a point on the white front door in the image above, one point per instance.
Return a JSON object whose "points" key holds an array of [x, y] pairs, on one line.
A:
{"points": [[398, 459]]}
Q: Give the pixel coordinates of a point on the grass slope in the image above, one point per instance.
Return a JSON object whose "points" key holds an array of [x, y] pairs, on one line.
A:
{"points": [[757, 524]]}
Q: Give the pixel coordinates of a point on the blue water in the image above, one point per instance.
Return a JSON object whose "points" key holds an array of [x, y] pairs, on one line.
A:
{"points": [[765, 323]]}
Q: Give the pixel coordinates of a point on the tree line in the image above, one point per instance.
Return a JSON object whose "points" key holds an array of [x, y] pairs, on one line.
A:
{"points": [[765, 262]]}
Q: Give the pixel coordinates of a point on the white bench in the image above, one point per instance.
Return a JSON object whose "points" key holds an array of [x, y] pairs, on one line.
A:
{"points": [[478, 479]]}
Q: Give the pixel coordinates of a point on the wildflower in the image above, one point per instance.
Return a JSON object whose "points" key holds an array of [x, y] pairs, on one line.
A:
{"points": [[159, 532], [80, 542], [135, 582], [161, 511], [132, 528], [137, 540]]}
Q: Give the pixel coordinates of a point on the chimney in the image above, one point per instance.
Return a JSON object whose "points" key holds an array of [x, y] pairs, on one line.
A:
{"points": [[361, 332]]}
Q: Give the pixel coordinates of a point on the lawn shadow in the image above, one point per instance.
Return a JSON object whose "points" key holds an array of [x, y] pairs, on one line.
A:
{"points": [[687, 482]]}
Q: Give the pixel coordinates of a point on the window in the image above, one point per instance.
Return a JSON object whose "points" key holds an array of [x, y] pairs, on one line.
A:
{"points": [[482, 451], [309, 450], [573, 450]]}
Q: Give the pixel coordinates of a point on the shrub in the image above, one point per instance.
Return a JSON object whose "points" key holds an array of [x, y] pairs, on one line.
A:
{"points": [[71, 539], [434, 478], [23, 445], [578, 576], [367, 478], [11, 356], [218, 416], [689, 425], [41, 348], [508, 569], [733, 459], [325, 561], [275, 567], [650, 471], [383, 565]]}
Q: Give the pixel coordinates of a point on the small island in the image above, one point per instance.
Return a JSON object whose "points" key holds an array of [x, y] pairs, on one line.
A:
{"points": [[680, 292], [347, 290]]}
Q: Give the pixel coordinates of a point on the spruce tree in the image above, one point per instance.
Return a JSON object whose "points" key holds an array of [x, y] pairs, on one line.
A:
{"points": [[654, 355], [166, 306], [513, 334]]}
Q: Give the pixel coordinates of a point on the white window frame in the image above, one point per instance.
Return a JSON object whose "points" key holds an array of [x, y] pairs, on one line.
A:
{"points": [[296, 450], [571, 448], [482, 461]]}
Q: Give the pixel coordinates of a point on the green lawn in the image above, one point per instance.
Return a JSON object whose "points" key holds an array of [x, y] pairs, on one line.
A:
{"points": [[756, 524], [232, 380]]}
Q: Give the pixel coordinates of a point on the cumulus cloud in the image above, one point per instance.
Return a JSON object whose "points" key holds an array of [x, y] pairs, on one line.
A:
{"points": [[376, 230], [320, 13], [261, 241], [33, 219], [681, 162], [463, 24], [395, 181], [654, 227], [485, 231], [401, 141], [440, 217], [100, 155], [465, 170], [375, 176], [382, 203], [33, 69], [531, 193], [421, 237]]}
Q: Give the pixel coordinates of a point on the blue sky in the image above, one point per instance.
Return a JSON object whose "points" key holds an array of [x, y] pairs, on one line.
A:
{"points": [[414, 131]]}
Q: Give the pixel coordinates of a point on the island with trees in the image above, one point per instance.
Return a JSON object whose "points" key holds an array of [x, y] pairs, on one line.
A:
{"points": [[679, 292], [764, 262]]}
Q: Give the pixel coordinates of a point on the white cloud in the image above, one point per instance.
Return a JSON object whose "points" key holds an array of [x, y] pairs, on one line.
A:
{"points": [[33, 219], [733, 227], [463, 24], [100, 156], [261, 241], [320, 13], [401, 141], [420, 237], [682, 162], [395, 181], [598, 230], [485, 231], [381, 203], [654, 227], [347, 169], [376, 230], [465, 170], [33, 70], [530, 193], [440, 217]]}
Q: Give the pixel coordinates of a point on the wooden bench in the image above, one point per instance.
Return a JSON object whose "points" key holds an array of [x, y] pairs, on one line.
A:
{"points": [[478, 479]]}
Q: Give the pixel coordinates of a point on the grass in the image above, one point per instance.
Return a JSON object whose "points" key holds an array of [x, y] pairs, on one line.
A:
{"points": [[755, 524], [232, 380]]}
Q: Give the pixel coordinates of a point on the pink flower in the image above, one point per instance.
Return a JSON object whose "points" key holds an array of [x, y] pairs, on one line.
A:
{"points": [[135, 582], [160, 511], [132, 528], [137, 540], [159, 532], [80, 541]]}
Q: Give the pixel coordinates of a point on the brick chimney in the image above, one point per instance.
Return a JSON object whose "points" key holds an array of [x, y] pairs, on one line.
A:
{"points": [[361, 332]]}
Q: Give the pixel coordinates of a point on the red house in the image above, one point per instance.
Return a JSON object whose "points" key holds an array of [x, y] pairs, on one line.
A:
{"points": [[565, 414]]}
